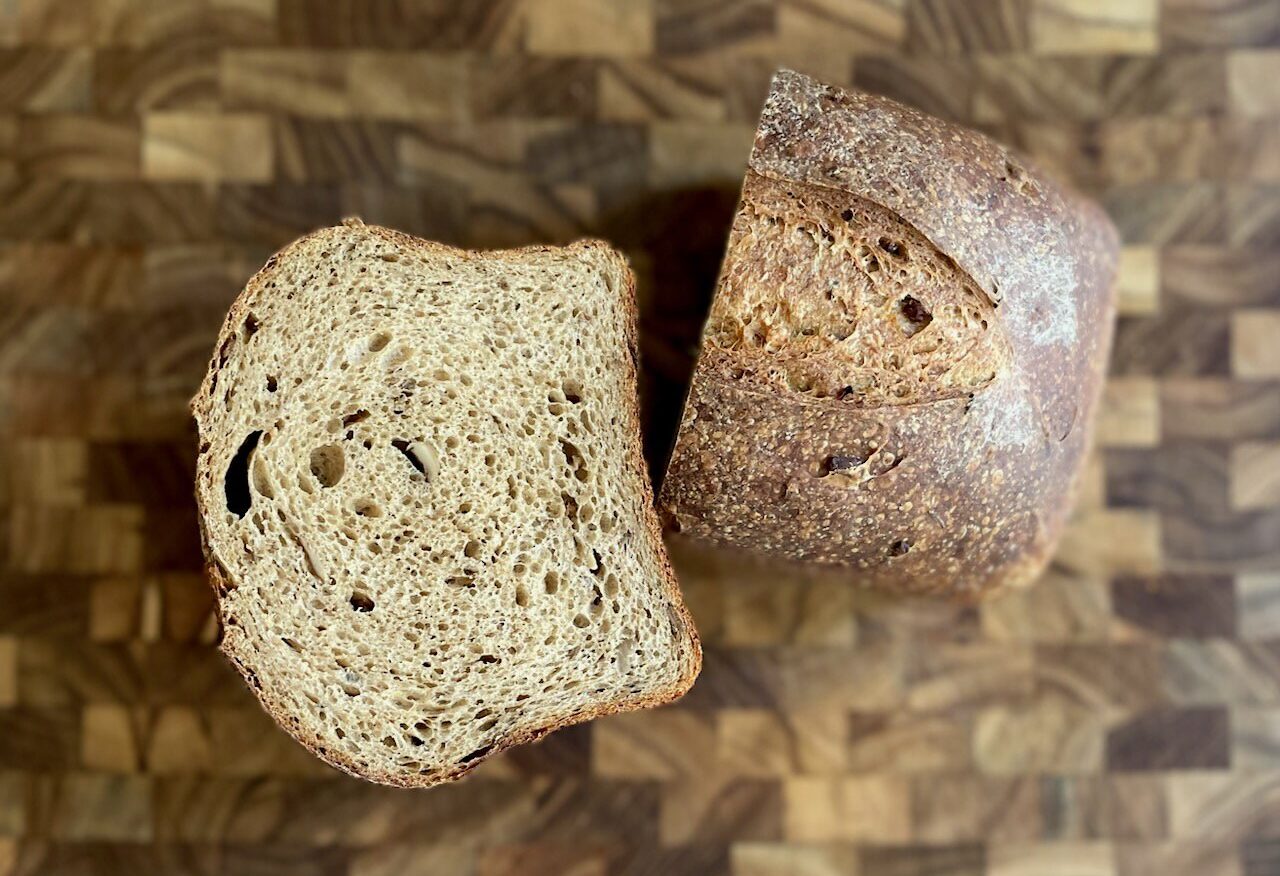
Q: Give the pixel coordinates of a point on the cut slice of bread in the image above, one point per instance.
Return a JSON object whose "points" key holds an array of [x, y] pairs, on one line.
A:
{"points": [[423, 503]]}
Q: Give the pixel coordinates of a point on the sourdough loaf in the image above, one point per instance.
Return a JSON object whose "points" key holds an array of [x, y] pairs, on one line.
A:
{"points": [[423, 503], [905, 351]]}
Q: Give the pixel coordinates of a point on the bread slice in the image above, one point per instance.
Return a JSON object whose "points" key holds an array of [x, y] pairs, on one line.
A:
{"points": [[423, 502], [904, 355]]}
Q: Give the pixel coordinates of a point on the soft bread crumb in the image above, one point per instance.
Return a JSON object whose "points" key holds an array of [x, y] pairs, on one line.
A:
{"points": [[424, 503]]}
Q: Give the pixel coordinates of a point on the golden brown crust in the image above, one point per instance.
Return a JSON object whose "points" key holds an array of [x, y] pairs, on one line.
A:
{"points": [[955, 494], [221, 583]]}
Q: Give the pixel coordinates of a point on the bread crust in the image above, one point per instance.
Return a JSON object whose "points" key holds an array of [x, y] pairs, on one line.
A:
{"points": [[965, 495], [232, 643]]}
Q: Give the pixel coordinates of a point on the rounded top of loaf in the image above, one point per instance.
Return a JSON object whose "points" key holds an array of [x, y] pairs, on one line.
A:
{"points": [[1032, 244]]}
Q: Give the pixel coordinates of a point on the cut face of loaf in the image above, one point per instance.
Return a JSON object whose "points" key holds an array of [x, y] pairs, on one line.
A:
{"points": [[423, 503], [904, 354]]}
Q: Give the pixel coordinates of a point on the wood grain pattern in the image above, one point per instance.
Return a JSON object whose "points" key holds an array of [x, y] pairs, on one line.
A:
{"points": [[1121, 718]]}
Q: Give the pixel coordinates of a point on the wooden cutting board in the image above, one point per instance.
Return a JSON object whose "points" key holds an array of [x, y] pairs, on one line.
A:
{"points": [[1121, 718]]}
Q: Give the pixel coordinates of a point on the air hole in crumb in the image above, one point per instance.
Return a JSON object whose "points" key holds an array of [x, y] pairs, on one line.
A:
{"points": [[361, 601], [367, 508], [570, 506], [472, 549], [838, 464], [899, 547], [580, 621], [420, 456], [522, 596], [575, 460], [551, 582], [236, 481], [250, 327], [489, 658], [847, 215], [914, 316], [271, 383], [572, 391], [476, 755], [355, 417], [460, 581], [328, 464], [892, 247]]}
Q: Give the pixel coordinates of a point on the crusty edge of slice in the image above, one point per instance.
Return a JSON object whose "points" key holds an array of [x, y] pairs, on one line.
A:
{"points": [[203, 398]]}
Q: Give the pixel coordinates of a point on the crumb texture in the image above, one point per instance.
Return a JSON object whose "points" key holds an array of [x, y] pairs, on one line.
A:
{"points": [[832, 296], [421, 487]]}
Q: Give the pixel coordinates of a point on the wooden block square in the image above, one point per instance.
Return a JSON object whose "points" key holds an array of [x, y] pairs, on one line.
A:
{"points": [[754, 742], [95, 539], [1060, 607], [1137, 806], [1258, 594], [8, 671], [1061, 859], [1138, 280], [1047, 734], [779, 612], [908, 742], [1251, 81], [686, 153], [960, 27], [396, 859], [114, 609], [838, 29], [212, 148], [1180, 858], [96, 806], [1130, 413], [847, 809], [790, 859], [178, 742], [44, 471], [970, 806], [1095, 26], [1219, 672], [404, 85], [46, 80], [709, 807], [1171, 739], [1254, 351], [1104, 542], [79, 147], [1255, 475], [614, 28], [661, 744], [539, 858], [1176, 606], [1212, 806], [303, 82], [1255, 738], [110, 740]]}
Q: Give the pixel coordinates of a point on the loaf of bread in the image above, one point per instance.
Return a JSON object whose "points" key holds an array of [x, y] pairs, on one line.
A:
{"points": [[904, 354], [423, 503]]}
